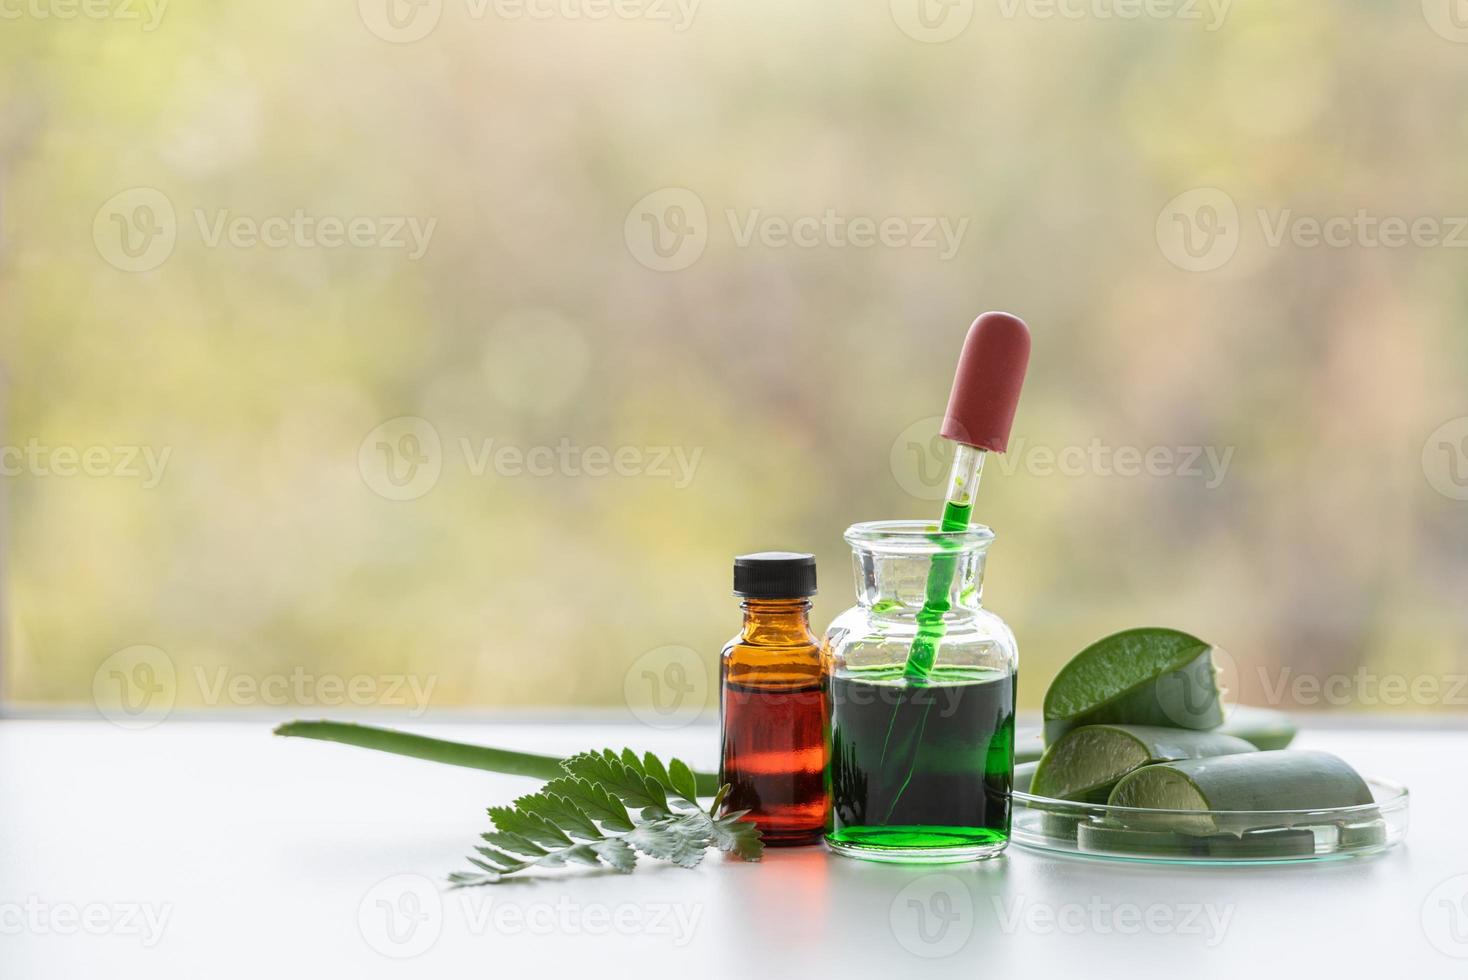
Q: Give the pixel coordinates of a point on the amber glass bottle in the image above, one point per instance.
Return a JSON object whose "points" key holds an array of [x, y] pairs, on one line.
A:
{"points": [[773, 701]]}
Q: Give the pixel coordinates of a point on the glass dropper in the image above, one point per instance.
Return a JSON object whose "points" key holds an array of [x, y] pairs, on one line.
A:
{"points": [[986, 387], [958, 509]]}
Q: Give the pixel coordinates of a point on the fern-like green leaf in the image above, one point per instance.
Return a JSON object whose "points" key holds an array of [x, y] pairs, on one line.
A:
{"points": [[593, 799], [618, 853], [498, 860], [718, 800], [583, 818], [653, 766], [529, 825], [514, 843], [680, 779], [737, 837], [560, 812], [629, 783], [582, 854], [470, 879], [681, 840]]}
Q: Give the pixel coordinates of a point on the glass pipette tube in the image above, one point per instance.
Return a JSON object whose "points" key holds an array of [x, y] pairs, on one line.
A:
{"points": [[958, 509]]}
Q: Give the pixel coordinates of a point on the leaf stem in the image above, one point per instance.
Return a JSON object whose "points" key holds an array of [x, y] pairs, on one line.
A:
{"points": [[543, 767]]}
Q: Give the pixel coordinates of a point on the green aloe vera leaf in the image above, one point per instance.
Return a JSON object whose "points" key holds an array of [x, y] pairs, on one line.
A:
{"points": [[1281, 780], [1148, 676], [1363, 833], [1264, 728], [1085, 763], [1060, 826], [542, 767], [1262, 843], [1099, 839], [1057, 821]]}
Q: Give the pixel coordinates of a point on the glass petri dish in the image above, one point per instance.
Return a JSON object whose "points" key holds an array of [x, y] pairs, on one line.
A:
{"points": [[1208, 837]]}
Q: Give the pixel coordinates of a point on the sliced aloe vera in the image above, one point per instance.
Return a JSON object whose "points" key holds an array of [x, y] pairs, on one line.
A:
{"points": [[1085, 763], [1121, 840], [1282, 780], [1264, 728], [1363, 833], [1061, 826], [1263, 843], [1146, 676]]}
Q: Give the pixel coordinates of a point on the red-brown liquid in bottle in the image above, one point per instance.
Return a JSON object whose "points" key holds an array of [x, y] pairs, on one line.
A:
{"points": [[774, 713]]}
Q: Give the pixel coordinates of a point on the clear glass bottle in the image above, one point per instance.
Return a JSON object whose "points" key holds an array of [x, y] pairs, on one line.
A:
{"points": [[920, 770]]}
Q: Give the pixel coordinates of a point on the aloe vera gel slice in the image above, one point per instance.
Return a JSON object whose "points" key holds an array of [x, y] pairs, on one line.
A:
{"points": [[1284, 780], [1264, 844], [1146, 676], [1099, 839], [1264, 728], [1085, 763]]}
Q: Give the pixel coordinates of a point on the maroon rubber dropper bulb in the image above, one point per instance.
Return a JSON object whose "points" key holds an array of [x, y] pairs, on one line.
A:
{"points": [[986, 386]]}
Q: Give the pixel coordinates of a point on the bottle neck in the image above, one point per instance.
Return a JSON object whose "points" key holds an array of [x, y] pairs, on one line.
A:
{"points": [[898, 586], [776, 622]]}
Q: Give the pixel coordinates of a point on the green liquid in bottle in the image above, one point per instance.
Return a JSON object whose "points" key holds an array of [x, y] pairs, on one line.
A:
{"points": [[949, 799]]}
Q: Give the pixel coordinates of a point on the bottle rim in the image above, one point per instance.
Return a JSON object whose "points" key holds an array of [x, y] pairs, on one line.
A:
{"points": [[916, 538]]}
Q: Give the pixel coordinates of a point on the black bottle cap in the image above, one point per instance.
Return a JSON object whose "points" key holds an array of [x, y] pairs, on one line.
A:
{"points": [[775, 575]]}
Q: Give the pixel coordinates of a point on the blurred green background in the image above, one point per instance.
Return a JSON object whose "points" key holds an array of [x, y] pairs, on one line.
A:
{"points": [[598, 201]]}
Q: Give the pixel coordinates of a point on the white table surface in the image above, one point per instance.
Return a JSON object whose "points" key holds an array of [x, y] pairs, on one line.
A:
{"points": [[209, 849]]}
